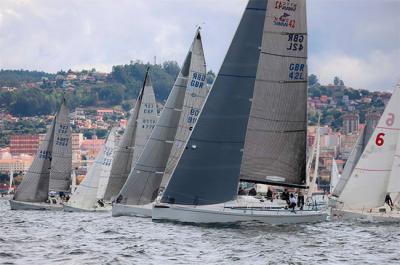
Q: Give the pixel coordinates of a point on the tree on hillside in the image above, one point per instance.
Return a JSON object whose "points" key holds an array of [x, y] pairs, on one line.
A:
{"points": [[312, 80]]}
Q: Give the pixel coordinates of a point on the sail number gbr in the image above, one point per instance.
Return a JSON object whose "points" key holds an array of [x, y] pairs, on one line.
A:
{"points": [[198, 80], [296, 71], [295, 42]]}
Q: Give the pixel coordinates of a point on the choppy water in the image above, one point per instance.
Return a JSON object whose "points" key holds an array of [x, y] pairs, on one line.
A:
{"points": [[32, 237]]}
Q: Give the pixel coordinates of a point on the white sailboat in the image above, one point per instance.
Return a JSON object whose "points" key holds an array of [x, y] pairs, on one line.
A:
{"points": [[253, 126], [50, 169], [85, 198], [376, 173], [140, 125], [169, 137]]}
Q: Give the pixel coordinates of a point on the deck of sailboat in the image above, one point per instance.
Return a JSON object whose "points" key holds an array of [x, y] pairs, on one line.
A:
{"points": [[68, 208]]}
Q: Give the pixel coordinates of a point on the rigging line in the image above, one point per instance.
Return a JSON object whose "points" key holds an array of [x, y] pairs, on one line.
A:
{"points": [[262, 118], [277, 131], [237, 76], [281, 82], [216, 141]]}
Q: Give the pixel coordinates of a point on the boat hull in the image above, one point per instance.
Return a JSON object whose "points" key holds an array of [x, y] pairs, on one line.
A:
{"points": [[34, 206], [365, 216], [221, 214], [132, 210], [68, 208]]}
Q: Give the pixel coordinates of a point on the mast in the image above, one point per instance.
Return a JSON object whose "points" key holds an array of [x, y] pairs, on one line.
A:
{"points": [[175, 121]]}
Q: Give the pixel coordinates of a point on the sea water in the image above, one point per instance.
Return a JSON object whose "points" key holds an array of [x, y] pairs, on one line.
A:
{"points": [[43, 237]]}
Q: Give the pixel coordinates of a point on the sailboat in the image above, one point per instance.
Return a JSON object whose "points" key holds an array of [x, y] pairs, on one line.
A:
{"points": [[253, 126], [140, 125], [50, 170], [376, 173], [85, 198], [334, 176], [10, 186], [169, 137]]}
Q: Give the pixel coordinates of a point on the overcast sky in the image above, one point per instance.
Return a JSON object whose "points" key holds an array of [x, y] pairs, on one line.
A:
{"points": [[357, 40]]}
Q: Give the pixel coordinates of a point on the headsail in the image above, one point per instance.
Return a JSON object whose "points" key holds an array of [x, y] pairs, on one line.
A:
{"points": [[137, 132], [35, 184], [85, 196], [61, 163], [208, 171], [368, 183], [275, 146], [144, 181]]}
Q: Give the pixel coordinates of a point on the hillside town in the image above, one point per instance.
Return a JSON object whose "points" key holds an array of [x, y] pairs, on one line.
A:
{"points": [[343, 112]]}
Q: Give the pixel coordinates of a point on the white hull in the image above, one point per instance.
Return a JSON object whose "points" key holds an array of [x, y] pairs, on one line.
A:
{"points": [[218, 213], [365, 216], [132, 210], [35, 206], [68, 208]]}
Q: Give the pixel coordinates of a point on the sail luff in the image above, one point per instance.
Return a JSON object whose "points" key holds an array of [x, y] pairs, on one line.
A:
{"points": [[334, 175], [275, 144], [61, 163], [394, 177], [35, 184]]}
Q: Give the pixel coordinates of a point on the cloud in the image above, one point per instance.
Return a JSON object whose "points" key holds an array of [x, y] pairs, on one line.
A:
{"points": [[345, 37], [369, 72]]}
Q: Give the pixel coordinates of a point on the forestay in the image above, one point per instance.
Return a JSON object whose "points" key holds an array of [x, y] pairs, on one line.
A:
{"points": [[35, 184], [85, 196], [145, 179], [368, 183], [208, 171], [275, 145], [137, 132], [61, 163]]}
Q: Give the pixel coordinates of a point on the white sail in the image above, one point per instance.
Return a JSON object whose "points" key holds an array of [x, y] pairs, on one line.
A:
{"points": [[61, 163], [137, 132], [313, 182], [195, 95], [394, 177], [85, 196], [35, 184], [10, 189], [334, 175], [368, 184]]}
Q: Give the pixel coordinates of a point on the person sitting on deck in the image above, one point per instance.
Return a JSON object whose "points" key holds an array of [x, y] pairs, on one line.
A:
{"points": [[252, 192], [292, 201], [119, 199], [100, 203], [285, 196], [300, 199], [270, 194], [241, 191], [389, 201]]}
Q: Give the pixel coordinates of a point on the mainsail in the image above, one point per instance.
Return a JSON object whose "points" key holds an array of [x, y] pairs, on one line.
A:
{"points": [[85, 196], [35, 184], [368, 183], [145, 179], [208, 171], [275, 144], [140, 125], [61, 163]]}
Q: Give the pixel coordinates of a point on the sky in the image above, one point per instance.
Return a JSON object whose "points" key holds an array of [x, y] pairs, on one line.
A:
{"points": [[357, 40]]}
